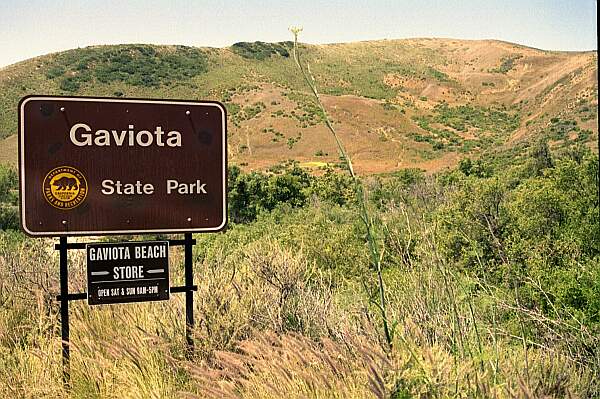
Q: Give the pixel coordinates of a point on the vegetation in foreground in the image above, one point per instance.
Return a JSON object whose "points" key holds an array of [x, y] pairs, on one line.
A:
{"points": [[491, 272]]}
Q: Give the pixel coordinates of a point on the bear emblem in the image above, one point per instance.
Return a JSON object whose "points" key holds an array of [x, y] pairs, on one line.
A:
{"points": [[64, 187], [65, 183]]}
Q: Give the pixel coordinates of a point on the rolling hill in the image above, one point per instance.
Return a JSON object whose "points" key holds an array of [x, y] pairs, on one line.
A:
{"points": [[423, 103]]}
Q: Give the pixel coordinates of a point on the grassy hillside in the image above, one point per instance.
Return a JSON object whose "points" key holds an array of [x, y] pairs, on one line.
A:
{"points": [[402, 103], [479, 191]]}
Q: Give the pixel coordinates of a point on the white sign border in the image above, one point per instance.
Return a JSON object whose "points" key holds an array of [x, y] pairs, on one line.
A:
{"points": [[26, 99]]}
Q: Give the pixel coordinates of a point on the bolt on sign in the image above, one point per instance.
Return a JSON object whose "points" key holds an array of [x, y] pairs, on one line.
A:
{"points": [[91, 166], [127, 272]]}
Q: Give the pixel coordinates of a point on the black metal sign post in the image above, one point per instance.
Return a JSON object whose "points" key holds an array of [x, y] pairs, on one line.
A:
{"points": [[63, 246], [64, 311], [189, 295]]}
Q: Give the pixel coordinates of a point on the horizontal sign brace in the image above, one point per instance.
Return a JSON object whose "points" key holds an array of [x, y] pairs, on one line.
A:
{"points": [[83, 295], [81, 245]]}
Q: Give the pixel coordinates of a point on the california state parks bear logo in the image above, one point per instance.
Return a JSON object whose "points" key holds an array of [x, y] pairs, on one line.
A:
{"points": [[65, 187]]}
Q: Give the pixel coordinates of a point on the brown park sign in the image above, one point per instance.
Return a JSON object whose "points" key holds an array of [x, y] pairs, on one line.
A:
{"points": [[91, 166]]}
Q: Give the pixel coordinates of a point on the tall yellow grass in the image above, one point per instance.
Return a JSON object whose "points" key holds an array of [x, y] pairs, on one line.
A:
{"points": [[270, 325]]}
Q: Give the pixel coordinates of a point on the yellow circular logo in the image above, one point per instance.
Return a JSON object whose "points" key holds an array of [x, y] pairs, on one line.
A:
{"points": [[65, 187]]}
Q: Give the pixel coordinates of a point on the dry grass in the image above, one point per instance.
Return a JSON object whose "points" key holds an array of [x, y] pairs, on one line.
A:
{"points": [[271, 324], [8, 151], [293, 366]]}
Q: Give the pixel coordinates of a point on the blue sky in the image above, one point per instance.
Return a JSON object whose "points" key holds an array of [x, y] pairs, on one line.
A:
{"points": [[35, 27]]}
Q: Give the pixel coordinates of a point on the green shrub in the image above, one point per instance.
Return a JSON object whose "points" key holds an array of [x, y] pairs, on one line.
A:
{"points": [[333, 187], [137, 65], [463, 118], [9, 184], [506, 64], [253, 193], [476, 168], [534, 230], [261, 50], [330, 237], [55, 71], [437, 75]]}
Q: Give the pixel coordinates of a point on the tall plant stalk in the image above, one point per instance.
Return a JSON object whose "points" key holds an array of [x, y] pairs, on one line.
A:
{"points": [[376, 253]]}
